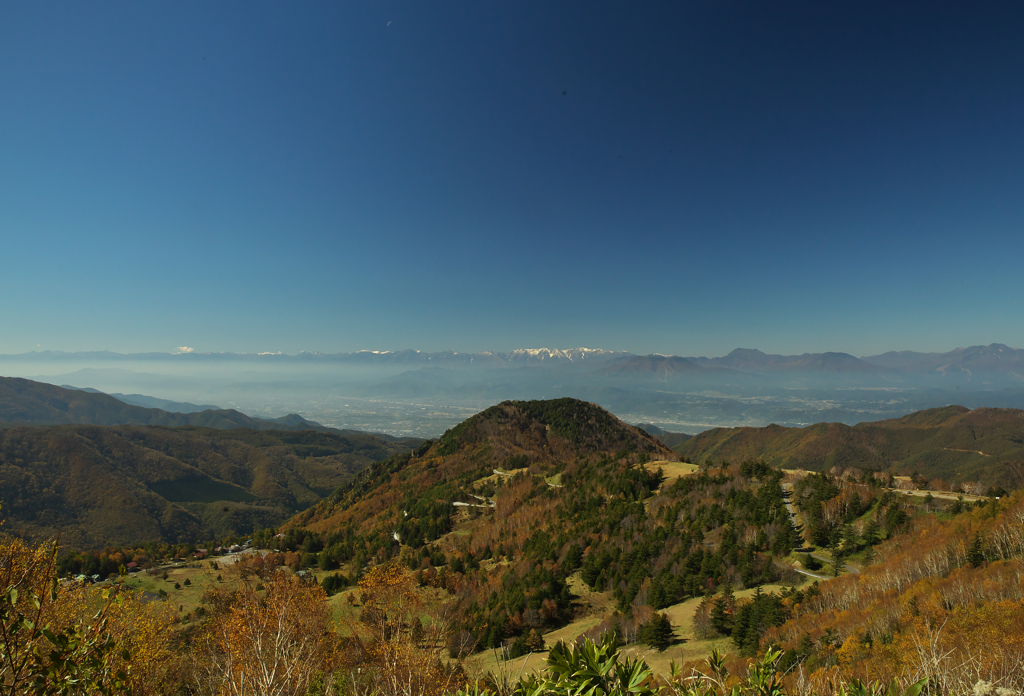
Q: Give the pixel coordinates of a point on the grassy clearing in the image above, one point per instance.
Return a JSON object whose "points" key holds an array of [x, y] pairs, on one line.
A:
{"points": [[686, 646], [199, 574], [672, 470], [596, 606], [499, 474]]}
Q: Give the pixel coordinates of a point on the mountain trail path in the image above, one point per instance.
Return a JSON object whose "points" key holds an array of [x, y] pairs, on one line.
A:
{"points": [[950, 449]]}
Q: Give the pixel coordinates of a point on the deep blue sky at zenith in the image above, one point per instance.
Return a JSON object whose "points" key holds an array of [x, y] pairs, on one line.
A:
{"points": [[655, 177]]}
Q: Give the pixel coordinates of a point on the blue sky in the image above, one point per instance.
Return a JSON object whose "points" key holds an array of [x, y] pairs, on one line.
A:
{"points": [[662, 177]]}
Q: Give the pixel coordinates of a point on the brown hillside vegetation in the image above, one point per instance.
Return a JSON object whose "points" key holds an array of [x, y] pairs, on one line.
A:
{"points": [[98, 486], [952, 443], [575, 490], [570, 522], [511, 435], [945, 601]]}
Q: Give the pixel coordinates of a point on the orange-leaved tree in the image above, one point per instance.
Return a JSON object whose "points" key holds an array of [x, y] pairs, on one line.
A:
{"points": [[275, 642], [400, 638], [47, 645]]}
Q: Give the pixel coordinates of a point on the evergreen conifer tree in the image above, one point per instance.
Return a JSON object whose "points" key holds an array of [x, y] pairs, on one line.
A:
{"points": [[976, 554], [535, 641], [657, 632], [721, 612]]}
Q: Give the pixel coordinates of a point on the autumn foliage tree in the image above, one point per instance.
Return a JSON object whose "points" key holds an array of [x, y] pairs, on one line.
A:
{"points": [[943, 602], [276, 642], [66, 638], [398, 653]]}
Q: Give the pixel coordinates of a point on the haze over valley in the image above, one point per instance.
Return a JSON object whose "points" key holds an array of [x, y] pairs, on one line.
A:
{"points": [[419, 394]]}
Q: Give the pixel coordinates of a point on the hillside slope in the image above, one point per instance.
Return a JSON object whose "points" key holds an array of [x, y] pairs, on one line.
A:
{"points": [[541, 435], [949, 581], [112, 485], [504, 508], [667, 438], [952, 443], [24, 402]]}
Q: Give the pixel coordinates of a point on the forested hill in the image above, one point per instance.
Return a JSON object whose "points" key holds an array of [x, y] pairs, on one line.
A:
{"points": [[540, 436], [954, 444], [100, 486], [24, 402], [540, 490]]}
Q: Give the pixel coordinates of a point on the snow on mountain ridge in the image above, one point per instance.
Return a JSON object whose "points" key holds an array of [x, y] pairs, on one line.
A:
{"points": [[571, 354]]}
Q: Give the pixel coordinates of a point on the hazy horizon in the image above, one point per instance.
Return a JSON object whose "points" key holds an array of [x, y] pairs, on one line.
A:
{"points": [[198, 353], [664, 178], [427, 393]]}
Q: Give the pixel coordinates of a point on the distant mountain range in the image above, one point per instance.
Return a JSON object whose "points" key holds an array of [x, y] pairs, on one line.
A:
{"points": [[754, 361], [993, 358], [521, 356], [421, 393]]}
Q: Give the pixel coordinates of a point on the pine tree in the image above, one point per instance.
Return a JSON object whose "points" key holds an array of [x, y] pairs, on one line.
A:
{"points": [[518, 648], [721, 617], [976, 555], [657, 632], [657, 597], [535, 641], [870, 533], [837, 563]]}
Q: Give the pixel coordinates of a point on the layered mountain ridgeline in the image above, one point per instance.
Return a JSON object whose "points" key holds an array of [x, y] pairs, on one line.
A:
{"points": [[669, 439], [995, 357], [98, 486], [509, 504], [954, 444], [754, 361], [24, 402], [151, 401], [992, 359], [746, 387]]}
